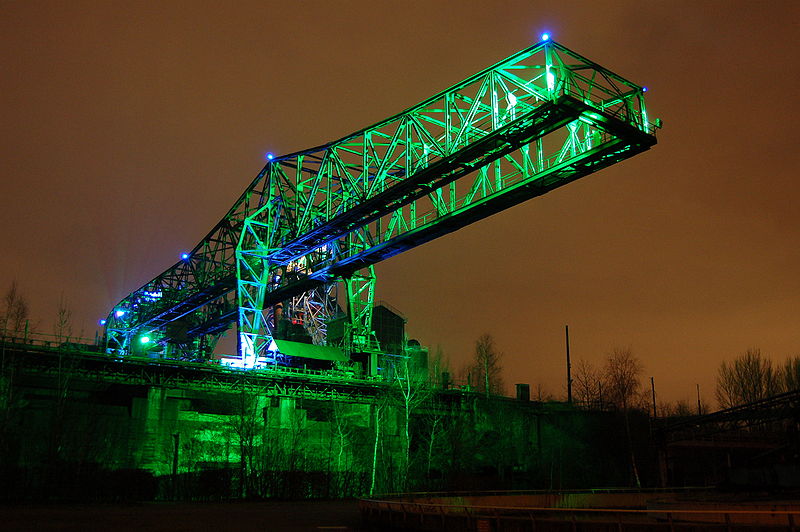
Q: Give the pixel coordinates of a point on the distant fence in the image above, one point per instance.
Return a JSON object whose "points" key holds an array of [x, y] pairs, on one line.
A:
{"points": [[592, 511], [50, 341]]}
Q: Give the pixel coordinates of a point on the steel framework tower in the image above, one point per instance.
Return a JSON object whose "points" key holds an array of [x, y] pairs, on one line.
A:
{"points": [[323, 217]]}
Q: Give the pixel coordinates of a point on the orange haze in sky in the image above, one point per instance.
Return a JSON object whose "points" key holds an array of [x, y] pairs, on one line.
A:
{"points": [[130, 128]]}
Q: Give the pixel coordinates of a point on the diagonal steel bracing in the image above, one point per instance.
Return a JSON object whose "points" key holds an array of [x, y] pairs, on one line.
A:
{"points": [[530, 123]]}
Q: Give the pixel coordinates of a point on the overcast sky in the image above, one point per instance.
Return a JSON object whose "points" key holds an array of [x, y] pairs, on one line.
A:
{"points": [[128, 129]]}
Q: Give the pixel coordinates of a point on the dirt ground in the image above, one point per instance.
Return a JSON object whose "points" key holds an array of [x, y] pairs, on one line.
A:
{"points": [[157, 517]]}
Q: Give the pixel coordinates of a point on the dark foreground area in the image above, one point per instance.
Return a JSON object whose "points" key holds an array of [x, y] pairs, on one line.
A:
{"points": [[152, 517]]}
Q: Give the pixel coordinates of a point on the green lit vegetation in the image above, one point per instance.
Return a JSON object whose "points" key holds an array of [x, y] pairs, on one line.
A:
{"points": [[76, 425], [91, 436]]}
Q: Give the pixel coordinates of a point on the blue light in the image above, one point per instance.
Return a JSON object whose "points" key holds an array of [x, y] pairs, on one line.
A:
{"points": [[545, 36], [102, 322], [644, 89], [270, 156], [119, 313], [184, 256]]}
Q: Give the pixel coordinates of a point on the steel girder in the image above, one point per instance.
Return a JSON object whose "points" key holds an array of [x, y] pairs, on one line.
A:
{"points": [[530, 123], [44, 363]]}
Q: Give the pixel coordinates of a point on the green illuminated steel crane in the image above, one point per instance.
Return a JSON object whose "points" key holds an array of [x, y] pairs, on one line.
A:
{"points": [[317, 219]]}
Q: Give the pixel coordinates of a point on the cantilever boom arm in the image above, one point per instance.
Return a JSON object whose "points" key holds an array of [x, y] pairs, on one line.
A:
{"points": [[525, 125]]}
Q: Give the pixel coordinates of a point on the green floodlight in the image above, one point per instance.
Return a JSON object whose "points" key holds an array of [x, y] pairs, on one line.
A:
{"points": [[144, 339]]}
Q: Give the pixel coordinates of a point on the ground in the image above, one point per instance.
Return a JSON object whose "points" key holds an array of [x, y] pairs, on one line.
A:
{"points": [[195, 517]]}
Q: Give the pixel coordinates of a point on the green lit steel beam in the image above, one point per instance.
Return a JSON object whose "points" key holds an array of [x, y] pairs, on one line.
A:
{"points": [[529, 123]]}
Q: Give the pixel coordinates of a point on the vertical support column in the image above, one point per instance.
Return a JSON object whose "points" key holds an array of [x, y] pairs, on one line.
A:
{"points": [[255, 276], [153, 444], [644, 125], [286, 412], [254, 330], [550, 76], [360, 300]]}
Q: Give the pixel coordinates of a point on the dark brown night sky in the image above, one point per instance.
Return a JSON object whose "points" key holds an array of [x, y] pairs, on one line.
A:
{"points": [[128, 129]]}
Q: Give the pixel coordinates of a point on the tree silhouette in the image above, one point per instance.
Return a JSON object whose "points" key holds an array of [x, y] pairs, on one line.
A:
{"points": [[587, 384], [790, 374], [411, 388], [486, 369], [62, 327], [14, 314], [750, 377], [622, 372]]}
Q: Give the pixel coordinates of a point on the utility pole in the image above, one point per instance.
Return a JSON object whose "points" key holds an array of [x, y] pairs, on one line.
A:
{"points": [[569, 368], [653, 389], [699, 407]]}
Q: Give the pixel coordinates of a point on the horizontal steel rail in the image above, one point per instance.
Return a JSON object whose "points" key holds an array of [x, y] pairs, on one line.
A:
{"points": [[388, 514], [44, 362]]}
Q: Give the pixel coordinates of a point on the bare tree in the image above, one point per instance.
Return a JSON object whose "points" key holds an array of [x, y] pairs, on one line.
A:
{"points": [[587, 385], [622, 372], [683, 408], [379, 407], [748, 378], [541, 394], [293, 436], [9, 302], [412, 388], [15, 313], [62, 327], [246, 424], [486, 369], [438, 365], [340, 445], [432, 435], [790, 374]]}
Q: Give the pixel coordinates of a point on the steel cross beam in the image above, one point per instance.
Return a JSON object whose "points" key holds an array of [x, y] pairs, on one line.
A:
{"points": [[528, 124]]}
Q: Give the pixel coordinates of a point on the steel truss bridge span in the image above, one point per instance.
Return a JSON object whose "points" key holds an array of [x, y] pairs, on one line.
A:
{"points": [[33, 363], [317, 218]]}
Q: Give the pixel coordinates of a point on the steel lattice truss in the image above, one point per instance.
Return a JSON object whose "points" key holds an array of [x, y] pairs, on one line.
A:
{"points": [[534, 121], [39, 362], [768, 413]]}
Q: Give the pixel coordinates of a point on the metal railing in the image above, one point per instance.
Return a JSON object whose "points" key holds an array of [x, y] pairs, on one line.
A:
{"points": [[52, 341], [410, 514]]}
